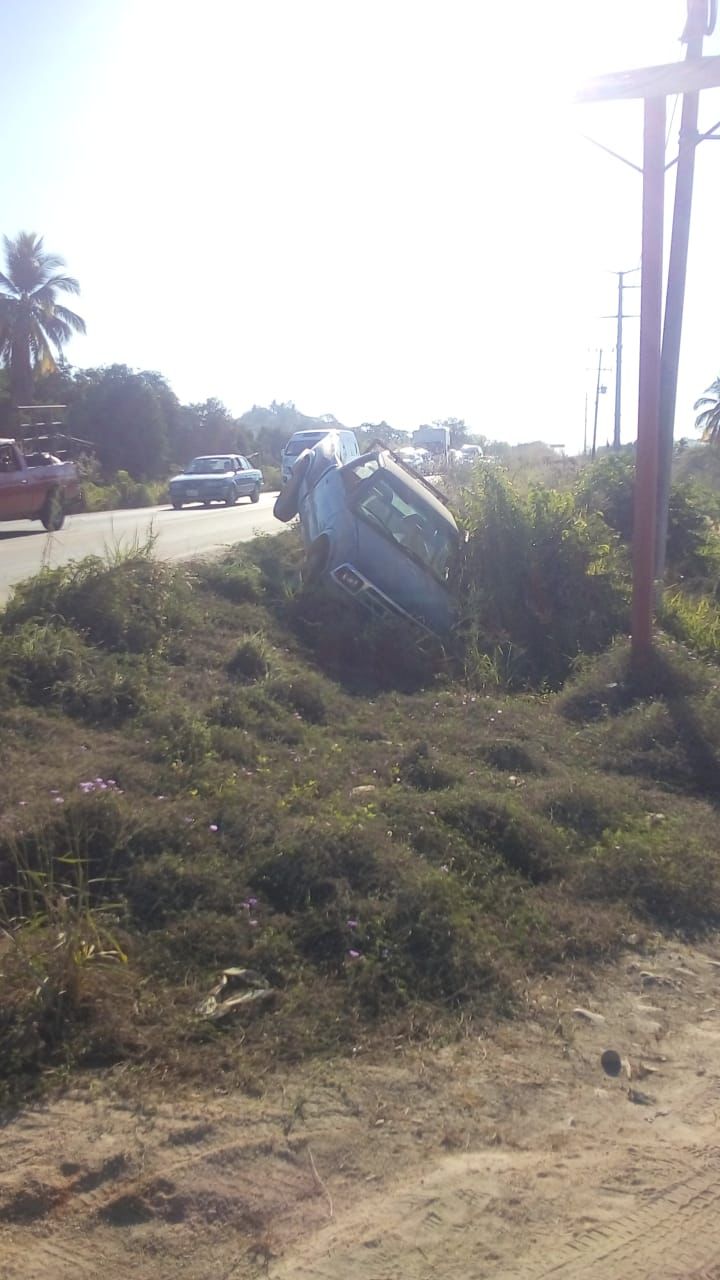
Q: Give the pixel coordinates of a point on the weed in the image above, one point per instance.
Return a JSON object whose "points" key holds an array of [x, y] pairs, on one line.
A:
{"points": [[526, 842], [249, 661], [659, 870]]}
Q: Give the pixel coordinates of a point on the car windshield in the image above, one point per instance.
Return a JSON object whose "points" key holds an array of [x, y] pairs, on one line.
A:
{"points": [[403, 516], [209, 466], [295, 447]]}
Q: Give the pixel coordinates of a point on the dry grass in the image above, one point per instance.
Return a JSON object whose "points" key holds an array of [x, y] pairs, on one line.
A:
{"points": [[385, 860]]}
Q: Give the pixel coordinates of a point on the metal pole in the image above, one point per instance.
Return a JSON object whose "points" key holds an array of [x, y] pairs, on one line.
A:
{"points": [[618, 362], [649, 391], [585, 431], [597, 405], [677, 272]]}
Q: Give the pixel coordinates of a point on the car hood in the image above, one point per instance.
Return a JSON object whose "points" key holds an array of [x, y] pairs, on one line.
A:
{"points": [[403, 580]]}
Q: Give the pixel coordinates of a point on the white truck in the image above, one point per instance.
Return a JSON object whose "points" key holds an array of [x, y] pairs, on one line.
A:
{"points": [[437, 442]]}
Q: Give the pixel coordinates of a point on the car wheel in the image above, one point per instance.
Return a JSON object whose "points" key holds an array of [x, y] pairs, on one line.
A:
{"points": [[206, 502], [177, 505], [53, 512], [255, 495], [231, 498]]}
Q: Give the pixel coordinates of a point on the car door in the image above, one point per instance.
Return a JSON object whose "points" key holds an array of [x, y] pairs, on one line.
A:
{"points": [[242, 479], [15, 496]]}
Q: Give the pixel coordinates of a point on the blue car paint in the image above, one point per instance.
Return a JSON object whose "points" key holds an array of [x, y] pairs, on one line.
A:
{"points": [[363, 561], [216, 486]]}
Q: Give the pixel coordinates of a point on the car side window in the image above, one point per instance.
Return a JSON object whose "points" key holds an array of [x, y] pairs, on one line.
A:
{"points": [[243, 464]]}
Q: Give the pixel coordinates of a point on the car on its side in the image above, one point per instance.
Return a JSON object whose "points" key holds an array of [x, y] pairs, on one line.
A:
{"points": [[375, 531], [344, 443], [216, 477]]}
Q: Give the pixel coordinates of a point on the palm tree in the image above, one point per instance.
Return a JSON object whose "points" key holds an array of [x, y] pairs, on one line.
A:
{"points": [[32, 322], [709, 420]]}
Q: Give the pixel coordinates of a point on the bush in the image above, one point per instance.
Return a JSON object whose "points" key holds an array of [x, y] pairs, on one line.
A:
{"points": [[540, 581], [525, 842], [234, 579], [127, 602], [47, 665], [607, 487], [659, 871], [249, 661]]}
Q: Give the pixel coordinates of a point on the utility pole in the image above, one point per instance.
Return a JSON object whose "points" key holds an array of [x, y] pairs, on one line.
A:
{"points": [[701, 15], [653, 85], [597, 405], [618, 362], [585, 431], [620, 316]]}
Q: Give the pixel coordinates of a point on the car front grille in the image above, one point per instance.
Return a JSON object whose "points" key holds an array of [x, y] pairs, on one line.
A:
{"points": [[380, 605]]}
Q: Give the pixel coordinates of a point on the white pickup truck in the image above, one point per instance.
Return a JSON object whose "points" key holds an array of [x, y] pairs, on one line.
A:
{"points": [[35, 486]]}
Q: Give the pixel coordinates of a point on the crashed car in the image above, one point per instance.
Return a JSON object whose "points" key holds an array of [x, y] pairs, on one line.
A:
{"points": [[374, 530]]}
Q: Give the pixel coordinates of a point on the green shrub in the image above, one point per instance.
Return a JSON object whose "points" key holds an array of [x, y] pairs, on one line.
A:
{"points": [[317, 866], [539, 580], [249, 661], [527, 843], [50, 665], [693, 548], [694, 621], [301, 693], [127, 602], [419, 769], [659, 871], [236, 580]]}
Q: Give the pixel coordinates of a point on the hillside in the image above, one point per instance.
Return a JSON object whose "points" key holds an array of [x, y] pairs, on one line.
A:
{"points": [[195, 776]]}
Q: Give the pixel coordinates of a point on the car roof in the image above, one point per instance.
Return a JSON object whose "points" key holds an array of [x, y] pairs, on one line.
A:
{"points": [[4, 440], [205, 457]]}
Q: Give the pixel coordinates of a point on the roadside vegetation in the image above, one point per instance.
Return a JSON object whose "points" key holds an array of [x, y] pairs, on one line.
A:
{"points": [[207, 767]]}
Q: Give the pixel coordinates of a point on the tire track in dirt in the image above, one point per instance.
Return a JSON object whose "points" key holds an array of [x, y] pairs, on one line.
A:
{"points": [[460, 1223]]}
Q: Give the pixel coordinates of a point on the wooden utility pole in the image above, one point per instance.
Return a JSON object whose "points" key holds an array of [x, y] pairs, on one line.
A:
{"points": [[699, 23], [652, 84], [597, 406]]}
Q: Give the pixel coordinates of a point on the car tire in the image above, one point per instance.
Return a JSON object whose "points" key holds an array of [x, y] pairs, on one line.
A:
{"points": [[177, 506], [231, 499], [286, 503], [206, 502], [53, 512], [255, 495]]}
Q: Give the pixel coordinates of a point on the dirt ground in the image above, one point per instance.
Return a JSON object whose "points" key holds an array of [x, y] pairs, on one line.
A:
{"points": [[513, 1155]]}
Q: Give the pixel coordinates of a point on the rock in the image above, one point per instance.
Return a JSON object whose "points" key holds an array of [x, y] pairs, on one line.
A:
{"points": [[611, 1062], [363, 790], [639, 1098], [589, 1016]]}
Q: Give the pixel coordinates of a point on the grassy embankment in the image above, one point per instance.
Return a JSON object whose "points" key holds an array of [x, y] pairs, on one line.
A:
{"points": [[203, 766]]}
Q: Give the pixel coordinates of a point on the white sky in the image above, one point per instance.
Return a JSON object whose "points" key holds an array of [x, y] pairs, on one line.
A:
{"points": [[375, 208]]}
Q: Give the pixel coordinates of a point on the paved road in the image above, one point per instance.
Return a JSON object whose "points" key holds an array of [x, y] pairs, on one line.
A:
{"points": [[194, 531]]}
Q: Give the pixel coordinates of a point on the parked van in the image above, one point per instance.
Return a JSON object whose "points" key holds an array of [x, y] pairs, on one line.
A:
{"points": [[343, 443]]}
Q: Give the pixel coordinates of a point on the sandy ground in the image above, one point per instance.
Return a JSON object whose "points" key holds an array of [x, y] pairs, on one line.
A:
{"points": [[513, 1155]]}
